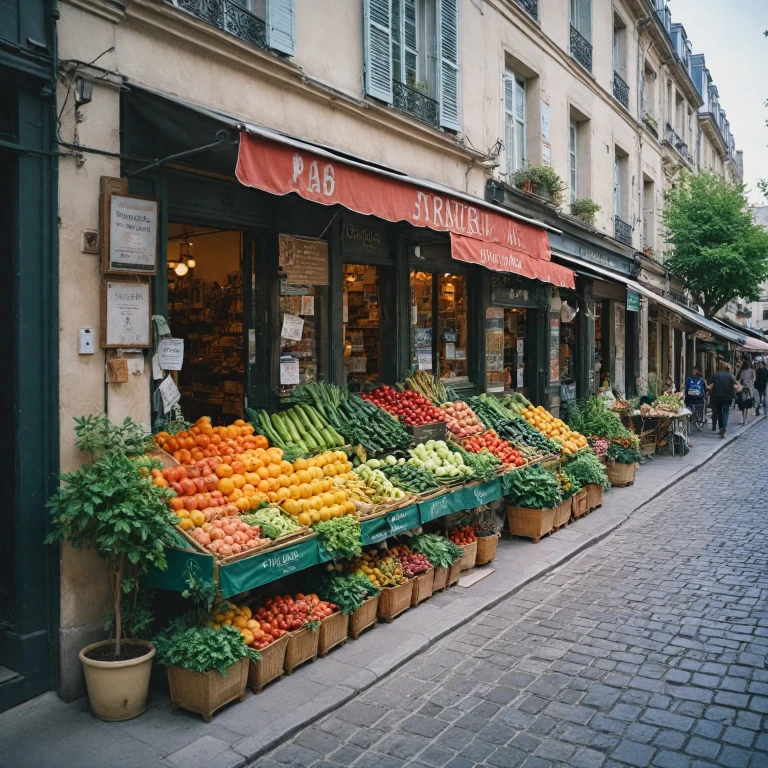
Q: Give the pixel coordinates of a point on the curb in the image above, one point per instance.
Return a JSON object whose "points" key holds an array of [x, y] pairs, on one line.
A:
{"points": [[253, 747]]}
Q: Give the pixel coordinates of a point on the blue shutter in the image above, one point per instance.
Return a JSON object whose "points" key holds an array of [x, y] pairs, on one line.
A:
{"points": [[377, 45], [448, 62], [281, 26]]}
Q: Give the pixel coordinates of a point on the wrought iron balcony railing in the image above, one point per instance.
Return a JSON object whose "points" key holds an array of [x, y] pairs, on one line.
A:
{"points": [[581, 49], [415, 103], [622, 231], [620, 90], [531, 7], [228, 16], [671, 138]]}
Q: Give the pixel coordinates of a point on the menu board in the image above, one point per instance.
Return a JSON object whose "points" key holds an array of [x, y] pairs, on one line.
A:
{"points": [[125, 313], [304, 261]]}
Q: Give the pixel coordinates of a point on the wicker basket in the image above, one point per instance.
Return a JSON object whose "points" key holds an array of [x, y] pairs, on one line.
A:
{"points": [[530, 523], [333, 632], [621, 474], [454, 574], [579, 505], [486, 549], [423, 587], [206, 692], [594, 496], [270, 668], [394, 600], [363, 617], [562, 514], [441, 579], [469, 556], [302, 646]]}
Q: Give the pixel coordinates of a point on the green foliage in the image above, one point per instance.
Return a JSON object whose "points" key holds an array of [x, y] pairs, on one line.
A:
{"points": [[201, 591], [591, 418], [718, 251], [543, 179], [586, 469], [176, 422], [201, 648], [439, 550], [534, 487], [99, 437], [348, 591], [136, 614], [341, 536], [622, 454], [585, 209]]}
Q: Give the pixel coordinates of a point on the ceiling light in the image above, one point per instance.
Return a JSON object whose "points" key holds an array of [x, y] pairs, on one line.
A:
{"points": [[181, 269], [191, 263], [173, 264]]}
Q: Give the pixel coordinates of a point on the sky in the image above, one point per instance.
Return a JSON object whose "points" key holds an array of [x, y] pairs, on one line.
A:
{"points": [[730, 35]]}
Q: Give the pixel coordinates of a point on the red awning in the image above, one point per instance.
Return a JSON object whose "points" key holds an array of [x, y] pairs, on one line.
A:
{"points": [[501, 259], [280, 169]]}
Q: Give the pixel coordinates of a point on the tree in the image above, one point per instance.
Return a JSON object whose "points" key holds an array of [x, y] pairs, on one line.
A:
{"points": [[718, 251]]}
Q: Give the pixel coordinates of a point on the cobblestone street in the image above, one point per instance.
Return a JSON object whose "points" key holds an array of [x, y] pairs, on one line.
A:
{"points": [[648, 650]]}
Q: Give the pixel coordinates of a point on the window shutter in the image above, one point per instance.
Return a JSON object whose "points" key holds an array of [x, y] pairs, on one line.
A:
{"points": [[585, 19], [397, 42], [448, 60], [411, 42], [520, 122], [616, 188], [509, 120], [281, 26], [573, 157], [377, 43]]}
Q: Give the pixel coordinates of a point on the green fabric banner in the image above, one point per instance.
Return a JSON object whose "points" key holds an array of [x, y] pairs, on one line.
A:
{"points": [[401, 520], [460, 499], [375, 530], [175, 576], [262, 569], [437, 507]]}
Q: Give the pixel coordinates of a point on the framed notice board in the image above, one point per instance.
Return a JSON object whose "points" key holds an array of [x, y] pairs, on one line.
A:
{"points": [[126, 313]]}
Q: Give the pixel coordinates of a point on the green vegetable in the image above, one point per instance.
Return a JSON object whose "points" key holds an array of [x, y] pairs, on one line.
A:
{"points": [[592, 418], [534, 487], [201, 648], [439, 550], [410, 478], [341, 536], [586, 469], [348, 591], [273, 522], [624, 454]]}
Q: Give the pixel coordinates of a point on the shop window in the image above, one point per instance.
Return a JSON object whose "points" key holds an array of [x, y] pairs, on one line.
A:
{"points": [[568, 315], [515, 329], [439, 325], [362, 323], [205, 308]]}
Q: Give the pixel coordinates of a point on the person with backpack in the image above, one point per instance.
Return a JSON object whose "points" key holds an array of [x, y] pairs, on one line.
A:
{"points": [[722, 385], [761, 380]]}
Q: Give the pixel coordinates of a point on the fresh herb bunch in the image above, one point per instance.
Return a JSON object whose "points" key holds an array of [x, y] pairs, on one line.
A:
{"points": [[534, 487], [592, 418], [99, 437], [341, 536], [622, 454], [484, 463], [586, 469], [568, 486], [348, 591], [439, 550], [201, 648], [669, 403]]}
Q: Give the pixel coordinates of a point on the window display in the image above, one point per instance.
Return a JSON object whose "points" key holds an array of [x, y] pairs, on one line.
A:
{"points": [[361, 318], [422, 307], [452, 328], [514, 350], [567, 357]]}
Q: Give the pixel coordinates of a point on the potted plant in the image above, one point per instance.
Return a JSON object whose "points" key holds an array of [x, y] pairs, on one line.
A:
{"points": [[623, 458], [113, 507], [588, 471], [532, 500], [540, 180], [585, 209]]}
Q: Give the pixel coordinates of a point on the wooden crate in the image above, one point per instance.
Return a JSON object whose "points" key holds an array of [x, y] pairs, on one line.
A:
{"points": [[302, 646], [206, 692], [621, 475], [530, 523], [469, 556], [562, 514], [441, 579], [423, 587], [594, 496], [579, 505], [333, 632], [486, 549], [270, 668], [394, 600], [454, 574], [364, 617]]}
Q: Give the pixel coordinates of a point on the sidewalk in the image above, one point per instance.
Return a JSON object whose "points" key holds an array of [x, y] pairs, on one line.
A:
{"points": [[46, 732]]}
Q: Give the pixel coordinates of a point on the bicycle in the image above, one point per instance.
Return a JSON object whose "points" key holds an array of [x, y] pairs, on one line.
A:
{"points": [[699, 414]]}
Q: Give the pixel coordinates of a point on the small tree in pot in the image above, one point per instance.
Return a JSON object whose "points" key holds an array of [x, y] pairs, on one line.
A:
{"points": [[113, 506]]}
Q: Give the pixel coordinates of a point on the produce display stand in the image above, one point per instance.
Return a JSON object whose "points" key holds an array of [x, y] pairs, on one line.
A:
{"points": [[594, 496], [579, 505], [454, 574], [333, 631], [486, 549], [302, 646], [423, 585], [271, 666], [364, 617], [394, 600], [621, 475], [530, 523], [562, 514], [467, 562], [207, 692], [440, 579]]}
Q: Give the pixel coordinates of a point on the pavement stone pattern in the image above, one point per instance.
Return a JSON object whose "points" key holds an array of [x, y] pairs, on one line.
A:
{"points": [[647, 650]]}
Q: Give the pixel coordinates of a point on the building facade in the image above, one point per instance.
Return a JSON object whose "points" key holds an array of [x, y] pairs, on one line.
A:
{"points": [[198, 105]]}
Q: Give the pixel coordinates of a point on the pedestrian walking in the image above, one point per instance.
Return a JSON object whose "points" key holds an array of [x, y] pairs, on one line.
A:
{"points": [[722, 385], [745, 398], [761, 380]]}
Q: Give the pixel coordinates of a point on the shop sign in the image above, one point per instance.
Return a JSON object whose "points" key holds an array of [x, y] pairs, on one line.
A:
{"points": [[633, 301], [304, 261], [652, 279], [592, 254], [359, 238], [705, 336], [126, 308]]}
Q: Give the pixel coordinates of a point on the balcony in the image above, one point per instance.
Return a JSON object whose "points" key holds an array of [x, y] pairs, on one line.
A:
{"points": [[671, 138], [649, 121], [581, 49], [228, 16], [415, 103], [620, 90], [531, 7], [622, 231]]}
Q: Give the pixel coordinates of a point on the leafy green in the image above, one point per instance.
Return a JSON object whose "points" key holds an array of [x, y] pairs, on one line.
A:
{"points": [[439, 550], [99, 437], [534, 487], [624, 455], [201, 648], [591, 417], [341, 536], [202, 591], [348, 591], [586, 469]]}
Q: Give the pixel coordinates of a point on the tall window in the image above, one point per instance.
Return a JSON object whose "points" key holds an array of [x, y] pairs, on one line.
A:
{"points": [[573, 158], [649, 91], [514, 121], [649, 214], [616, 186], [414, 44], [581, 18]]}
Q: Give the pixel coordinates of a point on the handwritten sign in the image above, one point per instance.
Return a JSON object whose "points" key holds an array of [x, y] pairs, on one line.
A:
{"points": [[171, 354], [402, 520], [125, 313], [424, 359], [293, 327], [289, 371], [304, 261], [133, 234], [169, 393]]}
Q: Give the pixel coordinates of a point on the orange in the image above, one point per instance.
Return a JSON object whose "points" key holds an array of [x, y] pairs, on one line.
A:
{"points": [[293, 479], [325, 515], [261, 442], [274, 470], [197, 517], [252, 478], [275, 455], [223, 470], [286, 467], [238, 480], [255, 500], [304, 476], [225, 485], [294, 492], [272, 496], [284, 481], [305, 520], [263, 473], [248, 490], [290, 506], [305, 490], [263, 485], [243, 504], [283, 494], [300, 464], [238, 467], [235, 495]]}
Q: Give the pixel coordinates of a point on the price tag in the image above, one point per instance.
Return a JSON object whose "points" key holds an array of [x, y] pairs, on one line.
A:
{"points": [[450, 350], [424, 358], [170, 353], [293, 328], [289, 371], [169, 393]]}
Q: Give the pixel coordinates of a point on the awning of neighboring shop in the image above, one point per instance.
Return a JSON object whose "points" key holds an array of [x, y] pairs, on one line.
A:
{"points": [[755, 345], [713, 326]]}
